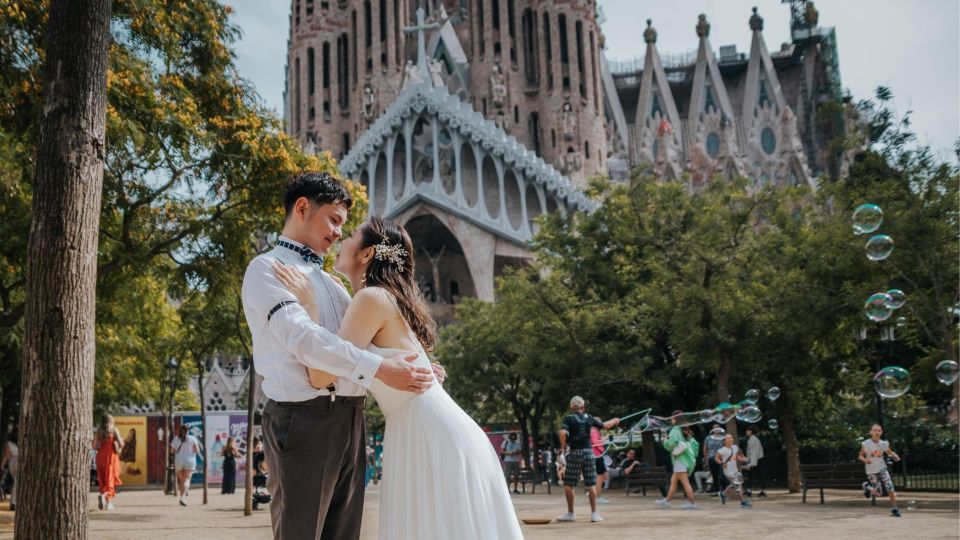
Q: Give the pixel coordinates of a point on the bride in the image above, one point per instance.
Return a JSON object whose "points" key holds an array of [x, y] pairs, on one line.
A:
{"points": [[441, 475]]}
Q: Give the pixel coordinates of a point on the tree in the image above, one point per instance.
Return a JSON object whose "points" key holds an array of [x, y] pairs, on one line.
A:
{"points": [[61, 273]]}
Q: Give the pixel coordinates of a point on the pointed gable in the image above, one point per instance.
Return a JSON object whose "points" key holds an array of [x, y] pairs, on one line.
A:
{"points": [[657, 122]]}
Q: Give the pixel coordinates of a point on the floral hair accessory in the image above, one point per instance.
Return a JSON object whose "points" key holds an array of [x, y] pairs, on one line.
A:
{"points": [[393, 253]]}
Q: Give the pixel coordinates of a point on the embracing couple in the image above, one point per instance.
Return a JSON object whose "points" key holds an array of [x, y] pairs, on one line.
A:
{"points": [[319, 353]]}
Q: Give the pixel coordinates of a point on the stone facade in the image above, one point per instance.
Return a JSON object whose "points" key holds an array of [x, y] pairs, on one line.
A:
{"points": [[532, 66]]}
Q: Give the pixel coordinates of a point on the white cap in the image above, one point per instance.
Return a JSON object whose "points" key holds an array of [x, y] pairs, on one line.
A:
{"points": [[577, 401]]}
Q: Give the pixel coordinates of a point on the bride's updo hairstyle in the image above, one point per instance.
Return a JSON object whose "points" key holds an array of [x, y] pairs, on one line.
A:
{"points": [[392, 268]]}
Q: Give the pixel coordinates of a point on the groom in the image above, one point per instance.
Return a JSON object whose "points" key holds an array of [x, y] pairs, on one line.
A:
{"points": [[314, 438]]}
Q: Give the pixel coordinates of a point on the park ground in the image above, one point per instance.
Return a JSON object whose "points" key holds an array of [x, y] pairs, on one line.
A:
{"points": [[149, 515]]}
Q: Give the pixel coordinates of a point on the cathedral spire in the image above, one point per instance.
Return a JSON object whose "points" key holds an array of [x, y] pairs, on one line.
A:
{"points": [[419, 29]]}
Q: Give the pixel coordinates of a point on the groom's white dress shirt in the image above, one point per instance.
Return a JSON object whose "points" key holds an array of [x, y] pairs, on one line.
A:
{"points": [[286, 341]]}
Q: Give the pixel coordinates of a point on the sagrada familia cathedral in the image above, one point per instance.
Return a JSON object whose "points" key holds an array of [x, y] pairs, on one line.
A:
{"points": [[467, 119]]}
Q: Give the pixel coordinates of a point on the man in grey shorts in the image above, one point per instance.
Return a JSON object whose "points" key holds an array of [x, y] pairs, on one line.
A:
{"points": [[314, 437], [575, 432]]}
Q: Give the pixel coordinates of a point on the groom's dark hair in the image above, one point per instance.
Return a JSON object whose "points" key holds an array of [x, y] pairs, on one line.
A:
{"points": [[319, 187]]}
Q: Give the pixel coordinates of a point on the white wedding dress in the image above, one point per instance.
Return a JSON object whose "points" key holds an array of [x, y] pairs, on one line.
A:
{"points": [[441, 476]]}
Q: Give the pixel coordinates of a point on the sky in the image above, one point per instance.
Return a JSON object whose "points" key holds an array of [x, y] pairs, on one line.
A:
{"points": [[911, 46]]}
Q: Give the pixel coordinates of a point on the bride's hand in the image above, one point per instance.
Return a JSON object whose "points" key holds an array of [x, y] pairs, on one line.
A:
{"points": [[297, 283]]}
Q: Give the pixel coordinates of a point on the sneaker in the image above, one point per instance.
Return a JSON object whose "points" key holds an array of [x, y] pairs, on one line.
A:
{"points": [[183, 501], [569, 516], [517, 491], [689, 506], [746, 504], [895, 512], [102, 500], [762, 494], [723, 498], [595, 517], [109, 506], [663, 503], [602, 500], [866, 490]]}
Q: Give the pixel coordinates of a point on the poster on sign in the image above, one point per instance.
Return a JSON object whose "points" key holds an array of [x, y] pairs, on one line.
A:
{"points": [[133, 457]]}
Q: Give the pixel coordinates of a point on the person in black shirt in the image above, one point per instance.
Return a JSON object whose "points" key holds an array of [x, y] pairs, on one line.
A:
{"points": [[575, 437]]}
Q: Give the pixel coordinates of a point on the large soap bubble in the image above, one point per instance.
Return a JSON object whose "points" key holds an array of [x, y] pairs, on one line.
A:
{"points": [[773, 393], [706, 415], [867, 218], [752, 395], [892, 382], [876, 307], [947, 372], [750, 414], [718, 433], [879, 247], [897, 299]]}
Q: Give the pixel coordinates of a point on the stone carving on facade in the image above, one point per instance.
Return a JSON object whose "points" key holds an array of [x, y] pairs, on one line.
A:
{"points": [[311, 147], [811, 15], [369, 102], [703, 27], [569, 120], [436, 72], [572, 161], [498, 86], [756, 21], [412, 75], [650, 34]]}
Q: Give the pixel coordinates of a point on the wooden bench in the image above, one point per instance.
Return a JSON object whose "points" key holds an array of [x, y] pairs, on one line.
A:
{"points": [[833, 476], [650, 476]]}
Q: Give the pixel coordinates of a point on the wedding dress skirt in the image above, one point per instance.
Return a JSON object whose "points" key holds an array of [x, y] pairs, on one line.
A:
{"points": [[442, 479]]}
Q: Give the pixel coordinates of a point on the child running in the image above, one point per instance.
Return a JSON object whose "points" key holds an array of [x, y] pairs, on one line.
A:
{"points": [[872, 453], [729, 457]]}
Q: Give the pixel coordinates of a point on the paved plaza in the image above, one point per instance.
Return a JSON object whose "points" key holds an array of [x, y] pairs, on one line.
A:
{"points": [[148, 515]]}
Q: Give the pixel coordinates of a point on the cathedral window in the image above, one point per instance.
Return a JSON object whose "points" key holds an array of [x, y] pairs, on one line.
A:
{"points": [[342, 74], [311, 71], [562, 28], [480, 28], [353, 21], [553, 138], [768, 141], [713, 145], [309, 8], [581, 62], [511, 28], [528, 23], [533, 128], [586, 149], [367, 26], [548, 44], [326, 65]]}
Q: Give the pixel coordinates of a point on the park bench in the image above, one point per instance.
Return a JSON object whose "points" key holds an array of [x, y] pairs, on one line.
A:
{"points": [[528, 476], [650, 476], [833, 476]]}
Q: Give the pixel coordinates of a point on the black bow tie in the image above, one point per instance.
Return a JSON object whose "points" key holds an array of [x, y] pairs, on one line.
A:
{"points": [[308, 254]]}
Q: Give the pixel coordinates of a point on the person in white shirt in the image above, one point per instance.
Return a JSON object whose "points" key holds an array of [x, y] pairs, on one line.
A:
{"points": [[755, 463], [729, 457], [314, 437], [185, 448], [873, 452]]}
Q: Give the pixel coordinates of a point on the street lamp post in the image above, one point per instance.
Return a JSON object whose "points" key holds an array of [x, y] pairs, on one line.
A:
{"points": [[170, 488]]}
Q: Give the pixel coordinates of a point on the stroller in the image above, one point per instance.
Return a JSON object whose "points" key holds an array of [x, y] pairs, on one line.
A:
{"points": [[260, 494]]}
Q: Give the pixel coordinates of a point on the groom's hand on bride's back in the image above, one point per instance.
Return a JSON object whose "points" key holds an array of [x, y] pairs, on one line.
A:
{"points": [[399, 372]]}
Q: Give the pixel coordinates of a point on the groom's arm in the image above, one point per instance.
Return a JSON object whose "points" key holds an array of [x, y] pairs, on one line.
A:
{"points": [[272, 305]]}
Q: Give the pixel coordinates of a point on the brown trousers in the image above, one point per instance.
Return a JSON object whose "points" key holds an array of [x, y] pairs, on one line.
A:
{"points": [[315, 452]]}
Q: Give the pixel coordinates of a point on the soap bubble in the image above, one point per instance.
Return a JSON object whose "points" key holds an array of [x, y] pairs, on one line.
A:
{"points": [[737, 479], [947, 372], [879, 247], [706, 415], [773, 424], [876, 307], [750, 414], [892, 382], [718, 433], [901, 322], [867, 218], [752, 395], [911, 505], [897, 299], [773, 393]]}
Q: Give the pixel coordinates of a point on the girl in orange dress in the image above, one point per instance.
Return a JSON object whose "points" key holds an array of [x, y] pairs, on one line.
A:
{"points": [[108, 443]]}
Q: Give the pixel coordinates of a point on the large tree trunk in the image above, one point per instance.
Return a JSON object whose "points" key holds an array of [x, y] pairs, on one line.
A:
{"points": [[793, 453], [59, 346], [723, 390]]}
